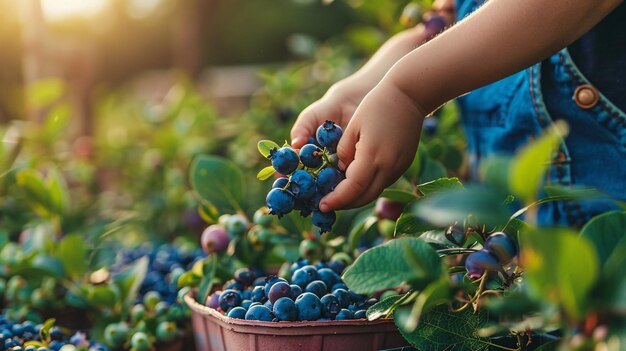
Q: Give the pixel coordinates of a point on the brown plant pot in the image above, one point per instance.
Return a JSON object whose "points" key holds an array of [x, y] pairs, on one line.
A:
{"points": [[216, 332]]}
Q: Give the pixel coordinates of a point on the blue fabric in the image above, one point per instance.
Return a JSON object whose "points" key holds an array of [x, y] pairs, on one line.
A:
{"points": [[502, 117]]}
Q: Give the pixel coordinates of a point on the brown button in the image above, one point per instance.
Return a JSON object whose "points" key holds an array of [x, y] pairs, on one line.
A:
{"points": [[586, 96]]}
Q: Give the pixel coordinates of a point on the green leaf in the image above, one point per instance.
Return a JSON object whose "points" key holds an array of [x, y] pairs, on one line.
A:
{"points": [[611, 291], [446, 208], [530, 165], [412, 225], [206, 283], [386, 266], [73, 254], [59, 194], [103, 295], [219, 182], [574, 193], [606, 231], [398, 195], [44, 92], [433, 295], [45, 329], [36, 191], [361, 227], [441, 330], [265, 173], [431, 170], [265, 146], [383, 308], [439, 185], [561, 267], [129, 280]]}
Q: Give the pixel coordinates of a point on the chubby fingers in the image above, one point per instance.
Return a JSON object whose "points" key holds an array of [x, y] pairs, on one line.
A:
{"points": [[309, 120]]}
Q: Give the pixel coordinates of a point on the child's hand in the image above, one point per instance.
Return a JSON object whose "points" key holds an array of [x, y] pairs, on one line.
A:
{"points": [[377, 146], [338, 105]]}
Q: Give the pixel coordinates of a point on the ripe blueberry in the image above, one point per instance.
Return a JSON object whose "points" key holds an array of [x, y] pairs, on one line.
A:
{"points": [[245, 275], [328, 135], [343, 296], [237, 312], [324, 220], [330, 306], [344, 314], [278, 290], [328, 276], [302, 184], [311, 156], [259, 313], [285, 309], [317, 287], [258, 294], [280, 183], [327, 179], [271, 280], [303, 276], [280, 202], [284, 160], [502, 246], [229, 298], [478, 262], [309, 307], [456, 234]]}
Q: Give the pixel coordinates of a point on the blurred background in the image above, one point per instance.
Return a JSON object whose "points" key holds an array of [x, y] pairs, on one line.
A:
{"points": [[105, 103]]}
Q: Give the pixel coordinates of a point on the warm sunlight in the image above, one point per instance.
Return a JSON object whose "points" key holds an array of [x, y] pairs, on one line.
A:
{"points": [[60, 9]]}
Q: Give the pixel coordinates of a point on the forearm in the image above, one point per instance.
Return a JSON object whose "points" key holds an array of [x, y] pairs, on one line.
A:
{"points": [[499, 39]]}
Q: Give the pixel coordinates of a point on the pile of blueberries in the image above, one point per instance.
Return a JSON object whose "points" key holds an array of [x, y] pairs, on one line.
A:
{"points": [[16, 335], [315, 293], [498, 250], [307, 176], [167, 262]]}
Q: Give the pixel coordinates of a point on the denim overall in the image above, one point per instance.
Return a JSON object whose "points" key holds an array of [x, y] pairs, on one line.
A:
{"points": [[502, 117]]}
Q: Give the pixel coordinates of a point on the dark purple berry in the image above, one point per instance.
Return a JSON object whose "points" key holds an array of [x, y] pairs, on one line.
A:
{"points": [[269, 282], [284, 160], [501, 246], [388, 209], [478, 262], [434, 25], [214, 239], [456, 234], [278, 290], [245, 276], [280, 202], [311, 156], [328, 135]]}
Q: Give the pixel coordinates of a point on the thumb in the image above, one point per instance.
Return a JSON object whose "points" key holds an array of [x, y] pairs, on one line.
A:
{"points": [[310, 119]]}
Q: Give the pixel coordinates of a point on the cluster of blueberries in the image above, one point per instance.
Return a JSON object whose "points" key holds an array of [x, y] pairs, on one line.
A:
{"points": [[308, 176], [16, 335], [498, 250], [167, 262], [315, 293]]}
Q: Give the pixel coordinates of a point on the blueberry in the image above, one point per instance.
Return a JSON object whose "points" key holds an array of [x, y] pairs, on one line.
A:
{"points": [[213, 301], [388, 209], [259, 313], [280, 183], [337, 266], [343, 296], [284, 160], [433, 25], [269, 304], [309, 307], [285, 309], [313, 141], [245, 275], [233, 285], [344, 314], [501, 246], [478, 262], [311, 156], [303, 276], [279, 290], [324, 220], [301, 262], [237, 312], [328, 135], [330, 306], [229, 298], [328, 276], [302, 184], [246, 304], [340, 285], [360, 314], [246, 294], [271, 280], [214, 239], [304, 206], [456, 234], [327, 179], [55, 333], [280, 202], [317, 287], [430, 125], [258, 294], [296, 290]]}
